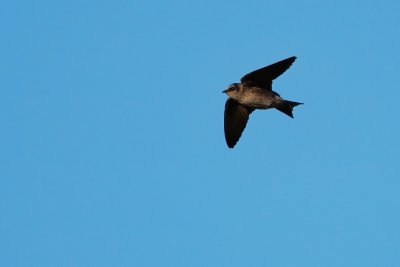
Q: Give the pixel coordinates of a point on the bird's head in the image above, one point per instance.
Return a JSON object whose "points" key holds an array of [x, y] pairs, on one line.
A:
{"points": [[233, 89]]}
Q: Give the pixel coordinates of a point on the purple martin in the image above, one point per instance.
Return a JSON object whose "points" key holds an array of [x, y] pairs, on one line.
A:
{"points": [[254, 92]]}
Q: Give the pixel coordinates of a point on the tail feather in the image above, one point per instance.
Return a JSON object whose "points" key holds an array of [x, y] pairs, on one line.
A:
{"points": [[287, 107]]}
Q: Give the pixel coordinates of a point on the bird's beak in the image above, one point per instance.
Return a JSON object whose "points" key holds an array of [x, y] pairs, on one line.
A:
{"points": [[225, 91]]}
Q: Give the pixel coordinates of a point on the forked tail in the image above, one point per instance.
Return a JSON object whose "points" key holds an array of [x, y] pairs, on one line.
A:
{"points": [[287, 107]]}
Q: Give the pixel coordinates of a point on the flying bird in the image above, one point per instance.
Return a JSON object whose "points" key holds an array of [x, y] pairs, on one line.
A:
{"points": [[254, 92]]}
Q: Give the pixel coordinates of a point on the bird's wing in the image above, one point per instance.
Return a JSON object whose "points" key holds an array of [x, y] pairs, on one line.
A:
{"points": [[235, 120], [263, 77]]}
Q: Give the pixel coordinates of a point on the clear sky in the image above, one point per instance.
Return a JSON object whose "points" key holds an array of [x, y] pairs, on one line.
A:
{"points": [[112, 146]]}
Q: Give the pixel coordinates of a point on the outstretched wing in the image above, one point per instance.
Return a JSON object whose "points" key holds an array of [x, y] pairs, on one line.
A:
{"points": [[235, 120], [263, 77]]}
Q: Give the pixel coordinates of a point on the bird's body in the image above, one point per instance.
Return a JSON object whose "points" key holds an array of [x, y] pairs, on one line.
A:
{"points": [[255, 97], [254, 92]]}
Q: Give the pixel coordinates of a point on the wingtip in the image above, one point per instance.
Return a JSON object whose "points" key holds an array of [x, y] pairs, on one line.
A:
{"points": [[230, 145]]}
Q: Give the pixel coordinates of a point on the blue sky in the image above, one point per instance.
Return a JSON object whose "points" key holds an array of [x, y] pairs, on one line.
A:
{"points": [[112, 145]]}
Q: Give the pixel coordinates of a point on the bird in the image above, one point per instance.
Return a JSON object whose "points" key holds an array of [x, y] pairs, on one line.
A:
{"points": [[254, 92]]}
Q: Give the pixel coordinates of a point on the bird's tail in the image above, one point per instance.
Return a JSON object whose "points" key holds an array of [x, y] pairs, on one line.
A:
{"points": [[287, 107]]}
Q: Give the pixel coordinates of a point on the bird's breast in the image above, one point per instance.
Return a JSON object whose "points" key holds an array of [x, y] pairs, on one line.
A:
{"points": [[259, 98]]}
